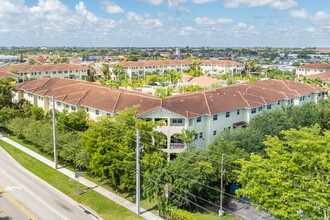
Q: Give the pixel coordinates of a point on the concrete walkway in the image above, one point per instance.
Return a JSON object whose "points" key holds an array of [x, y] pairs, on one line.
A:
{"points": [[110, 195]]}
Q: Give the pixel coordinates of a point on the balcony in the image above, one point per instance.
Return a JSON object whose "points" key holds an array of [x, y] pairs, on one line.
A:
{"points": [[177, 146]]}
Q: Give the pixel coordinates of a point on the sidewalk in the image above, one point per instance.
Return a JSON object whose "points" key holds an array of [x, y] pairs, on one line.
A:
{"points": [[112, 196]]}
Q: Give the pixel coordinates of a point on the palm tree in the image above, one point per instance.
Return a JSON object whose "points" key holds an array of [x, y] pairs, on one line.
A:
{"points": [[140, 83], [90, 74], [118, 70], [105, 70], [186, 136]]}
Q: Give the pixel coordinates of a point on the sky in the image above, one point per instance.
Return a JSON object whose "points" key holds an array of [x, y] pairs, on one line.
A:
{"points": [[163, 23]]}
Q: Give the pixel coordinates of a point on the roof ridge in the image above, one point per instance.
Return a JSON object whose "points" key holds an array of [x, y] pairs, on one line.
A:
{"points": [[116, 103], [248, 104], [207, 103], [82, 97]]}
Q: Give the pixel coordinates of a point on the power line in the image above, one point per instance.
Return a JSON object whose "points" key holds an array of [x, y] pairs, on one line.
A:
{"points": [[277, 189]]}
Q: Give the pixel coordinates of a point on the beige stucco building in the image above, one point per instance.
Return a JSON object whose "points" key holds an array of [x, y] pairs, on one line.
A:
{"points": [[209, 112], [28, 72], [311, 69], [212, 67]]}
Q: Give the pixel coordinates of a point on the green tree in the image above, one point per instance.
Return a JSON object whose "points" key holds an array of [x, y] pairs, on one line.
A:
{"points": [[164, 92], [90, 73], [131, 58], [106, 71], [304, 194], [187, 136], [37, 113], [6, 89], [111, 141], [118, 70]]}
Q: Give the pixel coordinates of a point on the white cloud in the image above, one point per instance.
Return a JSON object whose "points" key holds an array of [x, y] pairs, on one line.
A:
{"points": [[273, 4], [280, 5], [111, 7], [144, 21], [152, 2], [302, 13], [206, 21], [241, 25], [203, 1], [320, 18], [81, 9], [225, 20], [311, 29]]}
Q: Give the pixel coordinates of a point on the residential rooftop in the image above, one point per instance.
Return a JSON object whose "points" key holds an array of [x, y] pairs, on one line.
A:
{"points": [[23, 68], [176, 62], [192, 104], [318, 66]]}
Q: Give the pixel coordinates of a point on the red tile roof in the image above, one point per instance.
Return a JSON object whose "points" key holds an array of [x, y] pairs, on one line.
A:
{"points": [[317, 66], [41, 68], [203, 80], [175, 62], [245, 95], [325, 77], [8, 75]]}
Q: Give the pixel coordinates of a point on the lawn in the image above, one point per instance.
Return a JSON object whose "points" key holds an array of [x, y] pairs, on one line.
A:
{"points": [[106, 208]]}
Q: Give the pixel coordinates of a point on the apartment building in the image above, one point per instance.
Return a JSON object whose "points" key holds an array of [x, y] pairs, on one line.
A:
{"points": [[212, 67], [209, 112], [28, 72], [311, 69]]}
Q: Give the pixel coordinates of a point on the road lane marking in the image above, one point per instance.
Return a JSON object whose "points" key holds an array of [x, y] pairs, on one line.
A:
{"points": [[261, 216], [18, 205], [63, 217], [9, 188]]}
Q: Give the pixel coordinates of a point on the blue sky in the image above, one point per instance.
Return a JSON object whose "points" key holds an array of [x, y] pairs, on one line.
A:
{"points": [[218, 23]]}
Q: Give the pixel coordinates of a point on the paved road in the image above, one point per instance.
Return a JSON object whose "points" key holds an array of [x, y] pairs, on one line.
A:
{"points": [[243, 209], [25, 196]]}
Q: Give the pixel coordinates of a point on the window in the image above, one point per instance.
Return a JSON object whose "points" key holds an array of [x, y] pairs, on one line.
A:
{"points": [[41, 98], [148, 119], [66, 106], [301, 98], [73, 108], [54, 72], [201, 135], [320, 94], [269, 107], [260, 109], [87, 109], [65, 71], [229, 128], [196, 136], [214, 133], [278, 102], [238, 112], [309, 96], [108, 114], [59, 71], [199, 119], [59, 103], [215, 117], [227, 114], [97, 112], [254, 110], [291, 101]]}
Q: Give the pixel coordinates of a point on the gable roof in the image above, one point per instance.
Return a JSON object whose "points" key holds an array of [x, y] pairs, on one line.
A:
{"points": [[204, 80], [192, 104], [317, 66], [8, 75], [175, 62], [325, 77], [41, 68]]}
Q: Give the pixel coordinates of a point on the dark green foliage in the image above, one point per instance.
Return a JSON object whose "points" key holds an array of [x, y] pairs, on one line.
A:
{"points": [[6, 88]]}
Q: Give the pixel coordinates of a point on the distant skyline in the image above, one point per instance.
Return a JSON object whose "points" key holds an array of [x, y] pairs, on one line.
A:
{"points": [[152, 23]]}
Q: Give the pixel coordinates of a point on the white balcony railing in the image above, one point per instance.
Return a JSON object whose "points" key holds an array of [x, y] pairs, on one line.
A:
{"points": [[177, 145]]}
